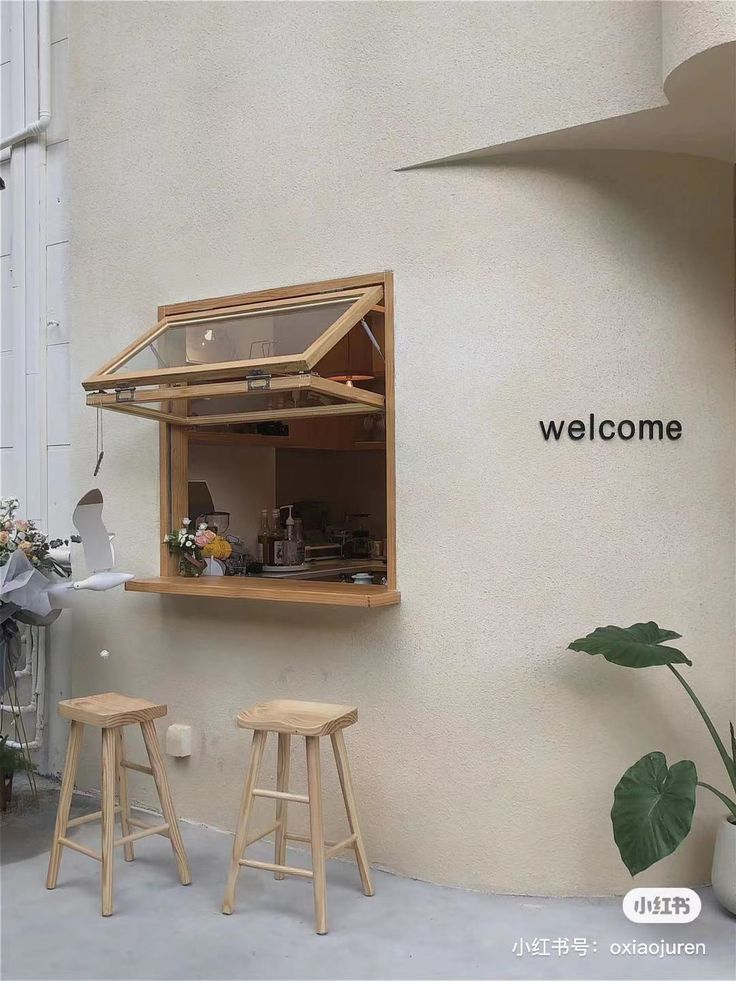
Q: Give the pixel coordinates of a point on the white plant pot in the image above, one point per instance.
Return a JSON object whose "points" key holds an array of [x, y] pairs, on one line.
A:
{"points": [[724, 865]]}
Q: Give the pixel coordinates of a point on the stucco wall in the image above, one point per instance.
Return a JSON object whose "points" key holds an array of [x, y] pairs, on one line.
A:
{"points": [[224, 148], [689, 27]]}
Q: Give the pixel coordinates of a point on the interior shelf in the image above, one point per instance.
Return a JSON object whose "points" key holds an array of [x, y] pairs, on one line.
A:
{"points": [[271, 590], [301, 441]]}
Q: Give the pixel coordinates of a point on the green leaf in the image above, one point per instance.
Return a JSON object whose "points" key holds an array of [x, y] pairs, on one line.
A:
{"points": [[652, 809], [637, 646], [733, 742]]}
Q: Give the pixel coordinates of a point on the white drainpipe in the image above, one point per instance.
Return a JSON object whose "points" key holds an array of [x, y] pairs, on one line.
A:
{"points": [[40, 125], [35, 638], [35, 666]]}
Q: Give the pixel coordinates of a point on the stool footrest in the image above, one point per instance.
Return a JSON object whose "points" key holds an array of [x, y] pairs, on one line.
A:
{"points": [[272, 867], [330, 846], [86, 818], [158, 829], [340, 846], [281, 795], [136, 823], [68, 843], [140, 767]]}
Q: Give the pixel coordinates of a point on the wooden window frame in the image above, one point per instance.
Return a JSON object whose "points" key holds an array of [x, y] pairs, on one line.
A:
{"points": [[108, 375], [174, 440], [355, 401]]}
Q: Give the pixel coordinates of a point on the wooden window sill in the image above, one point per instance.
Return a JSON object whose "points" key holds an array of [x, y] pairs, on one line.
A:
{"points": [[271, 590]]}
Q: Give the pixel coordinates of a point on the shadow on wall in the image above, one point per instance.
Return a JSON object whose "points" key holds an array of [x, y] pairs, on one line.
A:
{"points": [[647, 218], [633, 183]]}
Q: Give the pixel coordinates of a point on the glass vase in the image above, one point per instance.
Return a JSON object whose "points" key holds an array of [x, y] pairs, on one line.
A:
{"points": [[188, 568]]}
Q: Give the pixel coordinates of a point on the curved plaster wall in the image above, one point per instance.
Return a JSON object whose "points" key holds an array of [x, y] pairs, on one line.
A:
{"points": [[694, 112], [689, 28], [485, 755]]}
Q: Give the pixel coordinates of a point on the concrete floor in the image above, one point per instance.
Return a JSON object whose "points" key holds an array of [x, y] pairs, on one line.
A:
{"points": [[409, 929]]}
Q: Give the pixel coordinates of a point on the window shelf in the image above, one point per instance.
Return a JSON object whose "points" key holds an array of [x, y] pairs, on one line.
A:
{"points": [[270, 590]]}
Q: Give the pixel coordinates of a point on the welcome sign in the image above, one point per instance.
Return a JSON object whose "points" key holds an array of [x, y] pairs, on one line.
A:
{"points": [[607, 429]]}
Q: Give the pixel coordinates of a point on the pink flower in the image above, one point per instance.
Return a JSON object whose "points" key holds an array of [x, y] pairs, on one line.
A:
{"points": [[21, 524], [204, 538], [26, 547], [4, 536]]}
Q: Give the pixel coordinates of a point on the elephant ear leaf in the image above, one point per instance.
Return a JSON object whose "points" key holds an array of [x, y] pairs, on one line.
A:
{"points": [[637, 646], [652, 809]]}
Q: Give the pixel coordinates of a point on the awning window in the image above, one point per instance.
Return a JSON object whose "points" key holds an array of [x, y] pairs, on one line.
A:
{"points": [[246, 361]]}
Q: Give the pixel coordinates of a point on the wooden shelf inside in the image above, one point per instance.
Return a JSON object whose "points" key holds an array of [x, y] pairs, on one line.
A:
{"points": [[271, 590]]}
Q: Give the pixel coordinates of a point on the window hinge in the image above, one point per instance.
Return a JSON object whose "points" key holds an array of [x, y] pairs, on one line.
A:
{"points": [[258, 383], [125, 393]]}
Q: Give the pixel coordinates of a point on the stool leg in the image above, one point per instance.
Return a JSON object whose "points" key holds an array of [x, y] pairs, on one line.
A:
{"points": [[164, 795], [122, 780], [241, 827], [282, 783], [108, 817], [317, 834], [73, 748], [346, 784]]}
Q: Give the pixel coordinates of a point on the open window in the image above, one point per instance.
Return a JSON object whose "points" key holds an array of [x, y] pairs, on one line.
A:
{"points": [[265, 400]]}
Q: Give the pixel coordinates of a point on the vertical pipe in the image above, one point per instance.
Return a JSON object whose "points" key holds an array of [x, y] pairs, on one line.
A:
{"points": [[41, 124]]}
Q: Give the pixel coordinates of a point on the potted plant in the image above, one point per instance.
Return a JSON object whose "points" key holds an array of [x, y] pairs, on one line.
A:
{"points": [[12, 759], [653, 804], [188, 545]]}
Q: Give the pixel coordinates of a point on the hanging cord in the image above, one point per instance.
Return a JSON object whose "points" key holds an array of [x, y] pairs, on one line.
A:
{"points": [[100, 442]]}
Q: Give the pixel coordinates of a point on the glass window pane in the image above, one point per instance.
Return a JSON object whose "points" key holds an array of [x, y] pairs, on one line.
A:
{"points": [[266, 401], [171, 408], [281, 332], [260, 402]]}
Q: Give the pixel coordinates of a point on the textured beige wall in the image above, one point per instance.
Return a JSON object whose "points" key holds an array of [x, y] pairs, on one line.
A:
{"points": [[692, 26], [225, 148]]}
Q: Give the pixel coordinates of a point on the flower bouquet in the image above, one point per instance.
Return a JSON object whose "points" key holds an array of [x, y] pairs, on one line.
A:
{"points": [[28, 569], [187, 545]]}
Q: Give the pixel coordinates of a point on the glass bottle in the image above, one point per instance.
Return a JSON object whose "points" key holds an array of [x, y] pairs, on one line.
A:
{"points": [[278, 537], [299, 535], [290, 547], [265, 542]]}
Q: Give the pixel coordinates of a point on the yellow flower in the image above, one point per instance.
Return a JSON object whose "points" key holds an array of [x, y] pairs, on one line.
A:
{"points": [[220, 548]]}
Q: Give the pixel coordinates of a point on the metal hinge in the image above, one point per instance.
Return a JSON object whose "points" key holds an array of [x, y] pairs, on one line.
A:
{"points": [[125, 393], [258, 383]]}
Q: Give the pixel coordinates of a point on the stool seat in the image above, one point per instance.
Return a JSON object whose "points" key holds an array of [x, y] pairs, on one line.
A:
{"points": [[110, 710], [298, 718], [111, 713]]}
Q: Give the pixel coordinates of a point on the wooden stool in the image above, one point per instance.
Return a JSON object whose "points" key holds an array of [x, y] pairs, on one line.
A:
{"points": [[310, 719], [111, 712]]}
